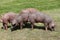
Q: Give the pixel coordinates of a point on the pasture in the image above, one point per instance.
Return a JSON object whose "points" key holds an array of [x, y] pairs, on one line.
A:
{"points": [[50, 7]]}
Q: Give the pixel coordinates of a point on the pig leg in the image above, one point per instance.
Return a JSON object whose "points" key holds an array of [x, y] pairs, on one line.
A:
{"points": [[21, 24], [4, 26], [46, 26], [32, 25]]}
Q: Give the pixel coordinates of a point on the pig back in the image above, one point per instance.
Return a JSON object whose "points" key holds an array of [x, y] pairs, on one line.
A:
{"points": [[24, 14]]}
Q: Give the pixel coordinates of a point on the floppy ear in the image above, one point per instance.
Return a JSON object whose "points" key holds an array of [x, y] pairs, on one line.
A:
{"points": [[1, 20]]}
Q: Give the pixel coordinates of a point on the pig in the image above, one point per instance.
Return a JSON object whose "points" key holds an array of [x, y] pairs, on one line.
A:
{"points": [[42, 18], [7, 18], [18, 21]]}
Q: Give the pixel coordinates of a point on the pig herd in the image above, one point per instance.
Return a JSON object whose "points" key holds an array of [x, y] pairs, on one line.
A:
{"points": [[27, 15]]}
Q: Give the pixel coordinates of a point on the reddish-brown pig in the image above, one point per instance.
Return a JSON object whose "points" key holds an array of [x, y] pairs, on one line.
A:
{"points": [[7, 18]]}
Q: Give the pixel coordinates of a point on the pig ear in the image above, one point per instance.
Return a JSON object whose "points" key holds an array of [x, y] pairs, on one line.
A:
{"points": [[1, 20]]}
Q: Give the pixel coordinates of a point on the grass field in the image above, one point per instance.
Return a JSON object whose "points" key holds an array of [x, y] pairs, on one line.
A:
{"points": [[50, 7]]}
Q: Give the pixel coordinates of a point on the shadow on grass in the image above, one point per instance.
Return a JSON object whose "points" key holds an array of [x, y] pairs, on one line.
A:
{"points": [[8, 27], [27, 26], [35, 27]]}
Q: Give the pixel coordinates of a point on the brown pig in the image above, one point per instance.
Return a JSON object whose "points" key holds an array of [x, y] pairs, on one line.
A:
{"points": [[7, 18], [42, 18]]}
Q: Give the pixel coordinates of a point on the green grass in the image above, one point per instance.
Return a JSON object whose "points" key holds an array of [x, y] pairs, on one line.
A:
{"points": [[50, 7], [17, 5]]}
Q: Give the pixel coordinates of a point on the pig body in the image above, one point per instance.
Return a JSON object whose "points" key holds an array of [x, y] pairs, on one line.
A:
{"points": [[7, 18], [42, 18]]}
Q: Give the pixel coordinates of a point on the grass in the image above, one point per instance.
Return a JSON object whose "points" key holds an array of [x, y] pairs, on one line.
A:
{"points": [[50, 7], [17, 5]]}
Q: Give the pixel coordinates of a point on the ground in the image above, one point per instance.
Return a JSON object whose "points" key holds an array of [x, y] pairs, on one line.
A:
{"points": [[50, 7]]}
